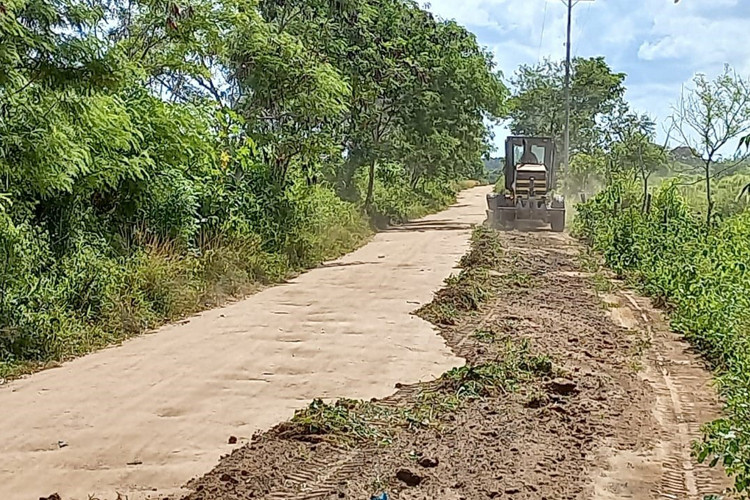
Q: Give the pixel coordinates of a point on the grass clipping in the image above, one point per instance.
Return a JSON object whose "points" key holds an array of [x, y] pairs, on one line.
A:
{"points": [[473, 285], [349, 422]]}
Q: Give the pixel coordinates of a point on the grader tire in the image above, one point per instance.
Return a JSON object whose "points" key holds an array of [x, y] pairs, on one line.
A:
{"points": [[557, 222]]}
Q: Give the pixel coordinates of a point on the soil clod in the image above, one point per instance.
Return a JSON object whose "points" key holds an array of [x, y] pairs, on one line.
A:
{"points": [[563, 386], [408, 477], [428, 463], [228, 479]]}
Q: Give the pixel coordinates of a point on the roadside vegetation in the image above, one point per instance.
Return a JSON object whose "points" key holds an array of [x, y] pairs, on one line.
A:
{"points": [[159, 157], [674, 223], [700, 274]]}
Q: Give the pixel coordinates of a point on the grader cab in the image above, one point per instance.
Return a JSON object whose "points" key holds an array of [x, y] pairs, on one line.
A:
{"points": [[529, 178]]}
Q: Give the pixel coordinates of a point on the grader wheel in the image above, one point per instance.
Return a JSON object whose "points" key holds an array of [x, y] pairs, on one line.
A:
{"points": [[557, 222]]}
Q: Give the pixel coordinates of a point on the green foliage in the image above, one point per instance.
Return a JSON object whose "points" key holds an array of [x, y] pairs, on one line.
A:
{"points": [[156, 158], [727, 192], [708, 117], [494, 170], [91, 297], [538, 104], [701, 274], [585, 174], [516, 364], [396, 201], [349, 421]]}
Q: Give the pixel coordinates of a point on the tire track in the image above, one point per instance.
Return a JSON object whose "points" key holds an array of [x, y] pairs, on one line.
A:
{"points": [[319, 477], [684, 400]]}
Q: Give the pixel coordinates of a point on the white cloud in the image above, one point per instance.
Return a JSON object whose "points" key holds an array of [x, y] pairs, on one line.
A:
{"points": [[700, 42], [659, 45]]}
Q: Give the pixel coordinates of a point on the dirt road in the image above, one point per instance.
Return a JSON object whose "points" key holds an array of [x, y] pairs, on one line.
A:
{"points": [[147, 416], [574, 389]]}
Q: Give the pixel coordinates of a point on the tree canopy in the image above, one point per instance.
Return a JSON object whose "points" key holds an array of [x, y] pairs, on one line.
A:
{"points": [[537, 106], [253, 124]]}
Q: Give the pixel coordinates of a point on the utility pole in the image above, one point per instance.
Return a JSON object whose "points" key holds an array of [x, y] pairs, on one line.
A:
{"points": [[566, 153]]}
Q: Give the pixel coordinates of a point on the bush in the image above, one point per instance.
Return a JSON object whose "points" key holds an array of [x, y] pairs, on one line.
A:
{"points": [[703, 275], [395, 200], [55, 307], [323, 227], [725, 190]]}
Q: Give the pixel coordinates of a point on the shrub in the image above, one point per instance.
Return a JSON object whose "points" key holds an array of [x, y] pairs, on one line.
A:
{"points": [[703, 275]]}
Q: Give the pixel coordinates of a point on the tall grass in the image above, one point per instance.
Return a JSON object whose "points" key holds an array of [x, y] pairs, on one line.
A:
{"points": [[53, 307], [726, 192], [105, 288]]}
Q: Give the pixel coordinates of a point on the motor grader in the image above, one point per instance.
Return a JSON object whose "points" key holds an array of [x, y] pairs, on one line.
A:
{"points": [[529, 179]]}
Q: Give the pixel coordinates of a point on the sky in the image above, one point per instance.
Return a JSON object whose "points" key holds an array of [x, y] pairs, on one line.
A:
{"points": [[660, 45]]}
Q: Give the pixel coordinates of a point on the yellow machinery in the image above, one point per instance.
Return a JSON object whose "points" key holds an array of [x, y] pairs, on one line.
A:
{"points": [[529, 178]]}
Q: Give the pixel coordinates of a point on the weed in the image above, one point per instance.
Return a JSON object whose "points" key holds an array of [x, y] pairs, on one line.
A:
{"points": [[608, 306], [462, 293], [485, 335], [588, 260], [640, 345], [518, 279], [602, 284], [346, 421], [636, 365], [512, 365]]}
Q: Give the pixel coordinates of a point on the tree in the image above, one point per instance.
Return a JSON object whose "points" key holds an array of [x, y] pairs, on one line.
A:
{"points": [[708, 118], [585, 172], [421, 88], [633, 148], [290, 97], [198, 127], [537, 106]]}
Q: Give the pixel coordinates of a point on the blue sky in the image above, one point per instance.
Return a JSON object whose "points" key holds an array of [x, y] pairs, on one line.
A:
{"points": [[658, 44]]}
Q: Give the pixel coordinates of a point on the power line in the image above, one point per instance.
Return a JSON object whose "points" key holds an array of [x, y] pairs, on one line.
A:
{"points": [[541, 38]]}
